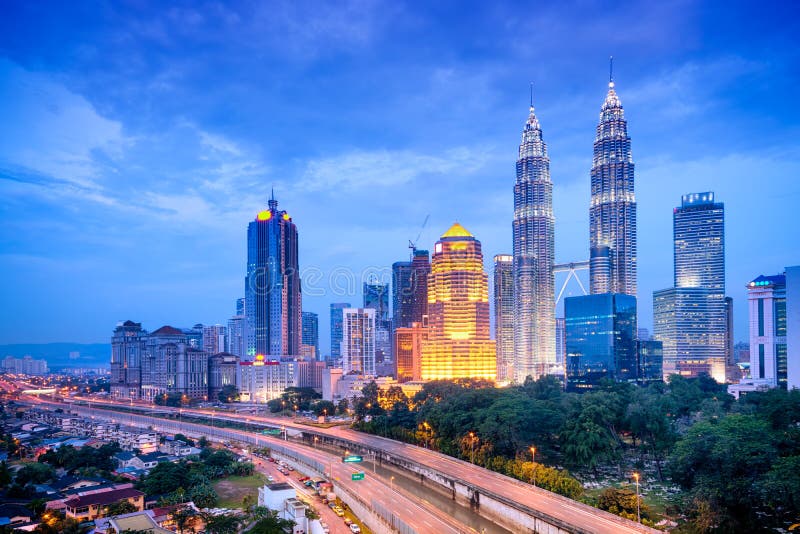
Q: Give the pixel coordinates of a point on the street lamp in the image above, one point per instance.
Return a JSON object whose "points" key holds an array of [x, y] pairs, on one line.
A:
{"points": [[638, 510], [533, 466], [391, 483], [472, 438]]}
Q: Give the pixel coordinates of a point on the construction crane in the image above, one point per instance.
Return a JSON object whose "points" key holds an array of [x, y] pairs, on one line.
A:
{"points": [[413, 244]]}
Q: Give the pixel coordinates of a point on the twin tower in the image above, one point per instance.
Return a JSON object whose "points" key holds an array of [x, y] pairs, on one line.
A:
{"points": [[612, 235]]}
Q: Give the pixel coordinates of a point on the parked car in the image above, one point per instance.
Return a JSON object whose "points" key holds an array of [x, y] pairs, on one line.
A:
{"points": [[348, 521], [339, 512], [355, 529]]}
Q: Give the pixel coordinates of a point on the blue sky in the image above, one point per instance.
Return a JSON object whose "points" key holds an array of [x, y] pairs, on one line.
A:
{"points": [[139, 138]]}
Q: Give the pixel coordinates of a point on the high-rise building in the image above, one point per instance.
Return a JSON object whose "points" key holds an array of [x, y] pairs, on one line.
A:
{"points": [[358, 341], [691, 319], [272, 286], [402, 294], [420, 269], [236, 340], [214, 339], [650, 360], [612, 214], [27, 365], [376, 297], [223, 371], [310, 336], [504, 315], [534, 252], [408, 351], [601, 339], [774, 313], [240, 306], [337, 328], [127, 348], [459, 344], [561, 341]]}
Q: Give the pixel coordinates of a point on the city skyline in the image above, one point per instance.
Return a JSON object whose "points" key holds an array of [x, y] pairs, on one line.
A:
{"points": [[92, 176]]}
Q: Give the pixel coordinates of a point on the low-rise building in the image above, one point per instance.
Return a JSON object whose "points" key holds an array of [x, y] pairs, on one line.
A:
{"points": [[94, 505]]}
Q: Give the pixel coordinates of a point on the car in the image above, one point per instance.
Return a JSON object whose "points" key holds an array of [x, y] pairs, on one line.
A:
{"points": [[332, 506], [303, 479], [339, 512], [355, 529], [271, 459], [348, 521], [308, 483], [270, 478], [290, 468]]}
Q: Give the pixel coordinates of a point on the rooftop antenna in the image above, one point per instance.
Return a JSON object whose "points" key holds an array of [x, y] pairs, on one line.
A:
{"points": [[531, 94], [273, 204]]}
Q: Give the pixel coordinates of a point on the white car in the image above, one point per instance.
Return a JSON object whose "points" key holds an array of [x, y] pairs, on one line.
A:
{"points": [[355, 529]]}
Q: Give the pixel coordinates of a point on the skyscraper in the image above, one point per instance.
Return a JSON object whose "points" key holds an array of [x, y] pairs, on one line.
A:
{"points": [[420, 269], [272, 285], [236, 339], [534, 250], [214, 339], [459, 344], [402, 294], [691, 318], [612, 214], [504, 315], [408, 343], [127, 348], [310, 336], [376, 297], [337, 325], [358, 341]]}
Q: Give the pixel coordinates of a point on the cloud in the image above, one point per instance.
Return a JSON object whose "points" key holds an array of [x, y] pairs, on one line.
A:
{"points": [[51, 131], [364, 170]]}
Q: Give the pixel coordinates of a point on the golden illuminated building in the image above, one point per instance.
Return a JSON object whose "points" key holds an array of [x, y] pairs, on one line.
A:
{"points": [[459, 344]]}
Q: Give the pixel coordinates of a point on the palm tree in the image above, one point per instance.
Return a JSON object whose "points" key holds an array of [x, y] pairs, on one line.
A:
{"points": [[183, 517]]}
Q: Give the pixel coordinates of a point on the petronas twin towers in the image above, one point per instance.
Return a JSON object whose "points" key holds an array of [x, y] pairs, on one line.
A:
{"points": [[612, 233]]}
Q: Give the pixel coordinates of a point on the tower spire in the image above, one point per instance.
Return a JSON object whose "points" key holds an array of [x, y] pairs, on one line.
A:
{"points": [[531, 95], [273, 204], [611, 71]]}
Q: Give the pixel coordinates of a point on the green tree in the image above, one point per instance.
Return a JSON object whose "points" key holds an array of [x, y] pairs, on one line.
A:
{"points": [[5, 475], [222, 523], [720, 463], [270, 523], [34, 473], [184, 518], [120, 507], [781, 487], [229, 393], [204, 496], [186, 440], [622, 502], [164, 478], [342, 406], [323, 407]]}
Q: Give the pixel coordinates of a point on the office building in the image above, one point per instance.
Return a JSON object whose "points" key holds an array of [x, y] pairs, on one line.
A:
{"points": [[561, 341], [310, 337], [337, 328], [358, 341], [402, 294], [459, 343], [171, 366], [420, 269], [601, 339], [272, 285], [691, 318], [240, 308], [262, 380], [408, 352], [236, 339], [650, 360], [612, 213], [127, 348], [214, 339], [194, 336], [376, 297], [504, 316], [223, 371], [27, 365], [534, 252]]}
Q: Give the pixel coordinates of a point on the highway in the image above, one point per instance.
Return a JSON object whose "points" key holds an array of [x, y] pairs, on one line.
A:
{"points": [[582, 518]]}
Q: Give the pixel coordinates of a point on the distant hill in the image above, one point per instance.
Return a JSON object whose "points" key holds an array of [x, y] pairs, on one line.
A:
{"points": [[57, 354]]}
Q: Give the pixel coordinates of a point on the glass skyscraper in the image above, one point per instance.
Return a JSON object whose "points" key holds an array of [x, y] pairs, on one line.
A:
{"points": [[376, 297], [272, 285], [534, 250], [612, 213], [410, 289], [459, 344], [337, 322], [601, 339], [358, 341], [310, 336], [691, 318], [504, 315]]}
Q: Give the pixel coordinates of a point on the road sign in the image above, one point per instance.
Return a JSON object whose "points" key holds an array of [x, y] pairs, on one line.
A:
{"points": [[351, 459], [357, 476], [272, 431]]}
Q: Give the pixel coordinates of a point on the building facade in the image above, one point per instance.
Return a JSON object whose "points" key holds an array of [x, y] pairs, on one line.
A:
{"points": [[601, 339], [272, 285], [504, 316], [171, 366], [402, 294], [692, 318], [358, 341], [262, 380], [766, 300], [612, 213], [650, 361], [310, 337], [337, 328], [408, 352], [214, 339], [236, 340], [376, 297], [223, 371], [127, 348], [534, 253], [27, 365], [459, 344]]}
